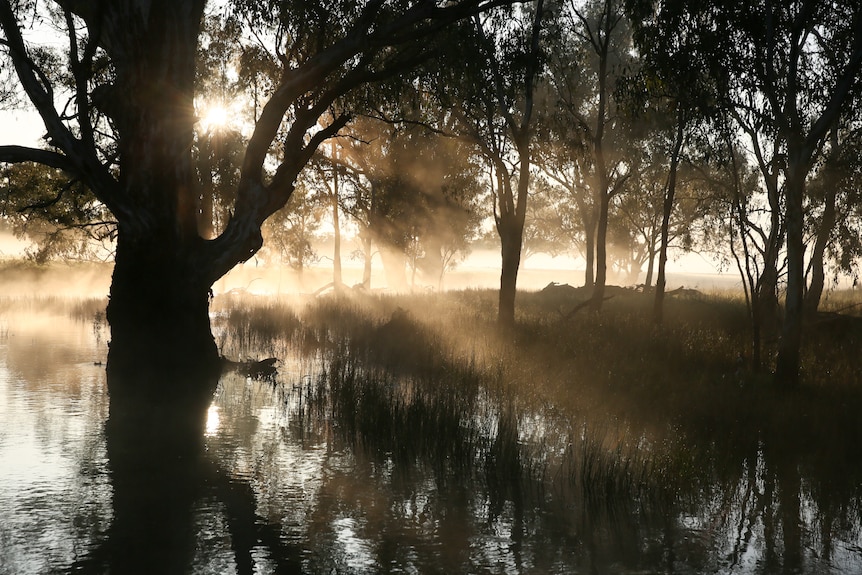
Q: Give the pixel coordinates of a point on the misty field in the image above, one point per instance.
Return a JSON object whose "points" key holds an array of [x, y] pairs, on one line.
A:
{"points": [[601, 412]]}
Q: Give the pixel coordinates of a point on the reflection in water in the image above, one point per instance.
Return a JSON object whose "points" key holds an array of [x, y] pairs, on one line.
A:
{"points": [[255, 477]]}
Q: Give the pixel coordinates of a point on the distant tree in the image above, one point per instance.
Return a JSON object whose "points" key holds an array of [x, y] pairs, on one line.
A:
{"points": [[492, 106], [289, 235], [563, 164], [547, 229], [639, 223], [417, 198], [597, 35], [673, 89]]}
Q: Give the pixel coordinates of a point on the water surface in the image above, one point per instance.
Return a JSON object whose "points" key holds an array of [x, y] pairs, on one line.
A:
{"points": [[277, 486]]}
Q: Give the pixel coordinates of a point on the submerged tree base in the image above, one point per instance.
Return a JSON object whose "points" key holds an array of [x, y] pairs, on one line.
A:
{"points": [[161, 339]]}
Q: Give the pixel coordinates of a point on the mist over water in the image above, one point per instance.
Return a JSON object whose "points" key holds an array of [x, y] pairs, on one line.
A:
{"points": [[288, 481]]}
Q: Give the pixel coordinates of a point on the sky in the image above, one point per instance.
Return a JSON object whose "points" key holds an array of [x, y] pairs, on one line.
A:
{"points": [[20, 128]]}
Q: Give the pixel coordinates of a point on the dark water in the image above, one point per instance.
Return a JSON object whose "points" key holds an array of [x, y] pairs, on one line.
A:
{"points": [[270, 485]]}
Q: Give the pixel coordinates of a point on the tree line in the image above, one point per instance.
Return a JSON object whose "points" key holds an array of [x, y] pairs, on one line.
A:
{"points": [[611, 127]]}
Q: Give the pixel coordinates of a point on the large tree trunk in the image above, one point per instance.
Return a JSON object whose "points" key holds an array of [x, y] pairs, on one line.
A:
{"points": [[159, 315], [158, 309], [788, 361]]}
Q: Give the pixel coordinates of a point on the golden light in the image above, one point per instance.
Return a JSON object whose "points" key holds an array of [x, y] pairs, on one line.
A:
{"points": [[213, 420], [213, 117]]}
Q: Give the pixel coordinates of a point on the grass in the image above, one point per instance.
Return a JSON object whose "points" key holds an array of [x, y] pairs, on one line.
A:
{"points": [[607, 407]]}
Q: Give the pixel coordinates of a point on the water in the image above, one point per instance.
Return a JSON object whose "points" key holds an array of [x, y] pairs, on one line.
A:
{"points": [[278, 486]]}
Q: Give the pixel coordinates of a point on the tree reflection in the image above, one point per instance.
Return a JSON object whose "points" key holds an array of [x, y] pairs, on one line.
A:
{"points": [[161, 472]]}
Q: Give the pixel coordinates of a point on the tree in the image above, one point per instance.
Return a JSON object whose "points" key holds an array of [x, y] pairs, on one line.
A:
{"points": [[289, 233], [547, 227], [60, 217], [833, 210], [672, 95], [564, 168], [493, 108], [786, 72], [749, 225], [414, 193], [128, 130], [598, 36]]}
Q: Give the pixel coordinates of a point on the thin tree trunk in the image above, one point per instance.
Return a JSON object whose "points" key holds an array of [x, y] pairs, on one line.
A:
{"points": [[824, 232], [366, 266], [818, 275], [650, 267], [337, 278], [667, 210], [590, 225], [601, 253]]}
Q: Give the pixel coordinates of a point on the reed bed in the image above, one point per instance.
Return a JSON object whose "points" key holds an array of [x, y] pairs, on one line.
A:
{"points": [[609, 406]]}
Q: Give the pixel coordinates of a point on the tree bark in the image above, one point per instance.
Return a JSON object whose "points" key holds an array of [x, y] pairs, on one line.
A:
{"points": [[788, 361], [510, 249], [818, 274], [159, 315], [824, 231], [601, 253], [667, 210], [590, 224]]}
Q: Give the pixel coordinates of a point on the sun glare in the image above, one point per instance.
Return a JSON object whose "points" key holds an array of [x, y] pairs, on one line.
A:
{"points": [[213, 116]]}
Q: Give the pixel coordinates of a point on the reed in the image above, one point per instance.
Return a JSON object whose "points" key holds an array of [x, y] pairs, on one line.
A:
{"points": [[401, 383]]}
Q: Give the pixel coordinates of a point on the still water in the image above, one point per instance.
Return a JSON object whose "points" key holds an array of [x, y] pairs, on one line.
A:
{"points": [[276, 488]]}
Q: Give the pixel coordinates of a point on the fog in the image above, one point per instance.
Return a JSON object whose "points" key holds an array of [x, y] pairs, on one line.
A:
{"points": [[479, 271]]}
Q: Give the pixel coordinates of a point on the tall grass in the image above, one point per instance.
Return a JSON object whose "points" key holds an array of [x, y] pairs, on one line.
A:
{"points": [[612, 403], [606, 414], [428, 380]]}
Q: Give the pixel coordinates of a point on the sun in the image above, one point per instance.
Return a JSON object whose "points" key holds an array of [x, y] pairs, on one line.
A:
{"points": [[213, 117]]}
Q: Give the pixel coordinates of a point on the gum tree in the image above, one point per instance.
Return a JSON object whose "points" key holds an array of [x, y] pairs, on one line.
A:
{"points": [[120, 118], [495, 111], [785, 72]]}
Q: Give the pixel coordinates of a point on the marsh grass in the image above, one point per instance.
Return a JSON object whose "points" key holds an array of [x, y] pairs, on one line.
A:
{"points": [[608, 408], [427, 380], [81, 309], [606, 414]]}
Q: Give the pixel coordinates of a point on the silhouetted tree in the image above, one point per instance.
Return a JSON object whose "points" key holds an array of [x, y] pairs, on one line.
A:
{"points": [[493, 108], [60, 217], [128, 131]]}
